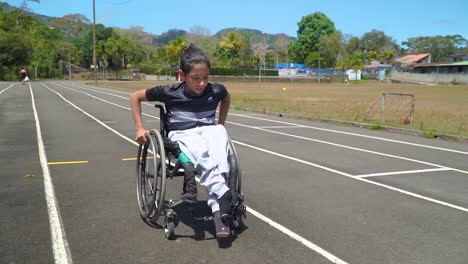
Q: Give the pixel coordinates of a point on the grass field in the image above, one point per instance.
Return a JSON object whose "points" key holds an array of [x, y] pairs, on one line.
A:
{"points": [[439, 109]]}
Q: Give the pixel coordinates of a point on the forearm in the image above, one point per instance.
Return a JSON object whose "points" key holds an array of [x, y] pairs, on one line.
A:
{"points": [[135, 104], [224, 109]]}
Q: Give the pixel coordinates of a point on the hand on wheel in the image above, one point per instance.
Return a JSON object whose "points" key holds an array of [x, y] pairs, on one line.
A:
{"points": [[141, 136]]}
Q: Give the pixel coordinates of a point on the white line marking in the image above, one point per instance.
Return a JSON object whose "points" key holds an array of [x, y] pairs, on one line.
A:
{"points": [[352, 148], [100, 99], [297, 237], [60, 248], [354, 134], [7, 88], [399, 172], [358, 179], [92, 117], [280, 126], [281, 228]]}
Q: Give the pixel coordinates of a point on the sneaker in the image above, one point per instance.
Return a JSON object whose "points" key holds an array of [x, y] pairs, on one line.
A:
{"points": [[222, 230]]}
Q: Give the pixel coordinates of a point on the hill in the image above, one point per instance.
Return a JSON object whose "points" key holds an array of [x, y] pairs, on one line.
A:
{"points": [[44, 19], [253, 35]]}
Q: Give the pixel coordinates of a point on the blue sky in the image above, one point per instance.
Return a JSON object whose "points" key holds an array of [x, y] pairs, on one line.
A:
{"points": [[400, 19]]}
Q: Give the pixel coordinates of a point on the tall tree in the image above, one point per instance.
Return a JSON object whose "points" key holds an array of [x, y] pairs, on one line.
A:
{"points": [[15, 42], [439, 46], [311, 28], [174, 48], [331, 49], [260, 50], [232, 42], [201, 38], [71, 26], [281, 47], [45, 45], [246, 53], [377, 45]]}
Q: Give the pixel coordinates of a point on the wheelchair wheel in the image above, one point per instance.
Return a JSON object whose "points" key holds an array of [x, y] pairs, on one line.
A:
{"points": [[235, 181], [151, 177], [235, 184]]}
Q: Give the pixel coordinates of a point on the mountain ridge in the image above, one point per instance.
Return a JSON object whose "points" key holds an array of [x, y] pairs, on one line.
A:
{"points": [[254, 35]]}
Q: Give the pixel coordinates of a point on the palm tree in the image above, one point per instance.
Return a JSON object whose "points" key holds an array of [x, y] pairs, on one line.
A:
{"points": [[232, 42], [173, 49]]}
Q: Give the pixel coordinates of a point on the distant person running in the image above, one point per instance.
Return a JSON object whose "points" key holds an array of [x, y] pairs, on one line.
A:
{"points": [[23, 74]]}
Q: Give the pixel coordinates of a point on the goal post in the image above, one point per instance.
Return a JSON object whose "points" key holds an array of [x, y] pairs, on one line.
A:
{"points": [[393, 107]]}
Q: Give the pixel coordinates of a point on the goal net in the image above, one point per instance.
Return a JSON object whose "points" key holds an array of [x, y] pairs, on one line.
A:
{"points": [[392, 107]]}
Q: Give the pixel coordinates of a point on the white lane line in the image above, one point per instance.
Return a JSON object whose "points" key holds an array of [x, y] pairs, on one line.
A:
{"points": [[352, 148], [422, 197], [280, 126], [100, 99], [317, 128], [297, 237], [274, 224], [7, 88], [354, 134], [61, 251], [399, 172]]}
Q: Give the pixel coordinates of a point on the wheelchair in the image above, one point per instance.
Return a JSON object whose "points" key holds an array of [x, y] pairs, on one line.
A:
{"points": [[157, 162]]}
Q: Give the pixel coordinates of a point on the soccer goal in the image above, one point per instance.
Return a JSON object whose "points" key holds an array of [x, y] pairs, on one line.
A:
{"points": [[392, 107]]}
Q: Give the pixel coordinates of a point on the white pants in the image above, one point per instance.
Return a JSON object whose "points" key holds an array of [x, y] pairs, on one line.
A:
{"points": [[206, 147]]}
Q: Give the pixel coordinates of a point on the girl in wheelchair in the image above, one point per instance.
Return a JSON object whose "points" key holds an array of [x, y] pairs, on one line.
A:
{"points": [[191, 107]]}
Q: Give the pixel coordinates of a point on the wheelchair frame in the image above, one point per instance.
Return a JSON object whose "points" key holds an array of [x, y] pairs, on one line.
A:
{"points": [[157, 161]]}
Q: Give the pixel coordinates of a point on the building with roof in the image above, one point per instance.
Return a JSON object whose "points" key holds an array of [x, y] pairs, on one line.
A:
{"points": [[414, 59], [441, 68], [457, 58]]}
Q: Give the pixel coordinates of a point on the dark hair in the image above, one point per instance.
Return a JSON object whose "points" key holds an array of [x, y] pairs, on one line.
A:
{"points": [[191, 55]]}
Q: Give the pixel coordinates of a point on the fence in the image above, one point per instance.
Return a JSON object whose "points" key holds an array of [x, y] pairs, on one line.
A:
{"points": [[431, 77]]}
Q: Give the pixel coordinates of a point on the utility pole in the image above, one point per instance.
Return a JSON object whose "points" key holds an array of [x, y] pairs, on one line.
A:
{"points": [[69, 56], [94, 41], [320, 47]]}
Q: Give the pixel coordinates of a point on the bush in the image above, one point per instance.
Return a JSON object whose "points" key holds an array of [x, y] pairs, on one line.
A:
{"points": [[241, 72], [149, 69], [7, 74]]}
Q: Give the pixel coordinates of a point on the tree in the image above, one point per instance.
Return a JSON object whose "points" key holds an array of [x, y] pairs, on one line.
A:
{"points": [[45, 46], [378, 46], [71, 25], [281, 47], [351, 61], [199, 36], [352, 44], [134, 38], [260, 50], [118, 48], [439, 46], [376, 40], [246, 53], [23, 8], [84, 45], [174, 48], [331, 49], [311, 28], [232, 42]]}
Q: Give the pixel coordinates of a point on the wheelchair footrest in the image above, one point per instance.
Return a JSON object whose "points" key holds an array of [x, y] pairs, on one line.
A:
{"points": [[203, 219]]}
